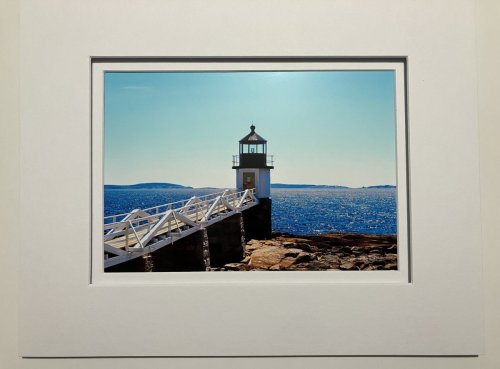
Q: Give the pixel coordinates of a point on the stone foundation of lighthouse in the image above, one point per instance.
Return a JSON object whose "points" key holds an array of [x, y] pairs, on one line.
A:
{"points": [[257, 220]]}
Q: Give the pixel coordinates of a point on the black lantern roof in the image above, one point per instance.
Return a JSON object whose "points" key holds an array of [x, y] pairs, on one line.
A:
{"points": [[253, 137]]}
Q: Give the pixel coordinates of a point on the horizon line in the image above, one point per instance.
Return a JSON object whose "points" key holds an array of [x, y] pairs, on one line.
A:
{"points": [[276, 183]]}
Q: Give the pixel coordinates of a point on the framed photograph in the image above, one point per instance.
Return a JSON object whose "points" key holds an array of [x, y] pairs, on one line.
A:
{"points": [[334, 122], [361, 233]]}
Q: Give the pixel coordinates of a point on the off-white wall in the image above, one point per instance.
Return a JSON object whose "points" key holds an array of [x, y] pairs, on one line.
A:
{"points": [[488, 46], [488, 31]]}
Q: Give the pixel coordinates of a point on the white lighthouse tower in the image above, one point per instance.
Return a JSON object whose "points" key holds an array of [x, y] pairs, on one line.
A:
{"points": [[253, 171]]}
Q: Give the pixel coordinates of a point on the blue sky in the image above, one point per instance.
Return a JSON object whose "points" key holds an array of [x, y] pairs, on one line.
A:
{"points": [[324, 127]]}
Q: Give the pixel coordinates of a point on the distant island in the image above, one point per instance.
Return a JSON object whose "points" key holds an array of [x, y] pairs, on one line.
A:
{"points": [[160, 186], [145, 186], [312, 186], [380, 186]]}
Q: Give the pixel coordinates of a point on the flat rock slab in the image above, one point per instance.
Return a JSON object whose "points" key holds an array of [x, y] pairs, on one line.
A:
{"points": [[335, 252]]}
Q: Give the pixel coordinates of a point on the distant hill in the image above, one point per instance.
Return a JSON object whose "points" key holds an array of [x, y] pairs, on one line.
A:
{"points": [[380, 186], [144, 186], [311, 186], [156, 186]]}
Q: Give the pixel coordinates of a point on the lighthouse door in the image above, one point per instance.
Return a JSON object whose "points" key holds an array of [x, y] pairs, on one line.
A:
{"points": [[248, 180]]}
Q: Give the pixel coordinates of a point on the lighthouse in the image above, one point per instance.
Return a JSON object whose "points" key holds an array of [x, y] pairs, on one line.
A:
{"points": [[253, 171]]}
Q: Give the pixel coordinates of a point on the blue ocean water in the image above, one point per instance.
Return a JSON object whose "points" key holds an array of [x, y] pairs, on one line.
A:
{"points": [[296, 211], [306, 211]]}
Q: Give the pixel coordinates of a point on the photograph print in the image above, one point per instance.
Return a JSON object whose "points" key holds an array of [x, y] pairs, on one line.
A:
{"points": [[221, 171]]}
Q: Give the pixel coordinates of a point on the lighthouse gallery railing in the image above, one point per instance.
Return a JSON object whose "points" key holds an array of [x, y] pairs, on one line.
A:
{"points": [[269, 160]]}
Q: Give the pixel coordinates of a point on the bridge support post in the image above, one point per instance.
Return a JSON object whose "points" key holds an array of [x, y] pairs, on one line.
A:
{"points": [[206, 250]]}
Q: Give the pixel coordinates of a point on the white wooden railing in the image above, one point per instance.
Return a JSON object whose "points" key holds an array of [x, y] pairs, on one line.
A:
{"points": [[142, 231]]}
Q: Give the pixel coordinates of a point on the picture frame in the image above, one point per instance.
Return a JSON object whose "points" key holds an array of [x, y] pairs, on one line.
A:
{"points": [[438, 313]]}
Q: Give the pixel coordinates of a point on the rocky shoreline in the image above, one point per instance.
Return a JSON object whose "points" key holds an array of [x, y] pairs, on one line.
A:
{"points": [[336, 251]]}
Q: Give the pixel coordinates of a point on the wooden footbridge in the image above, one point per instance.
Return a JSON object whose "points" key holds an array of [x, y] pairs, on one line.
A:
{"points": [[142, 231]]}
